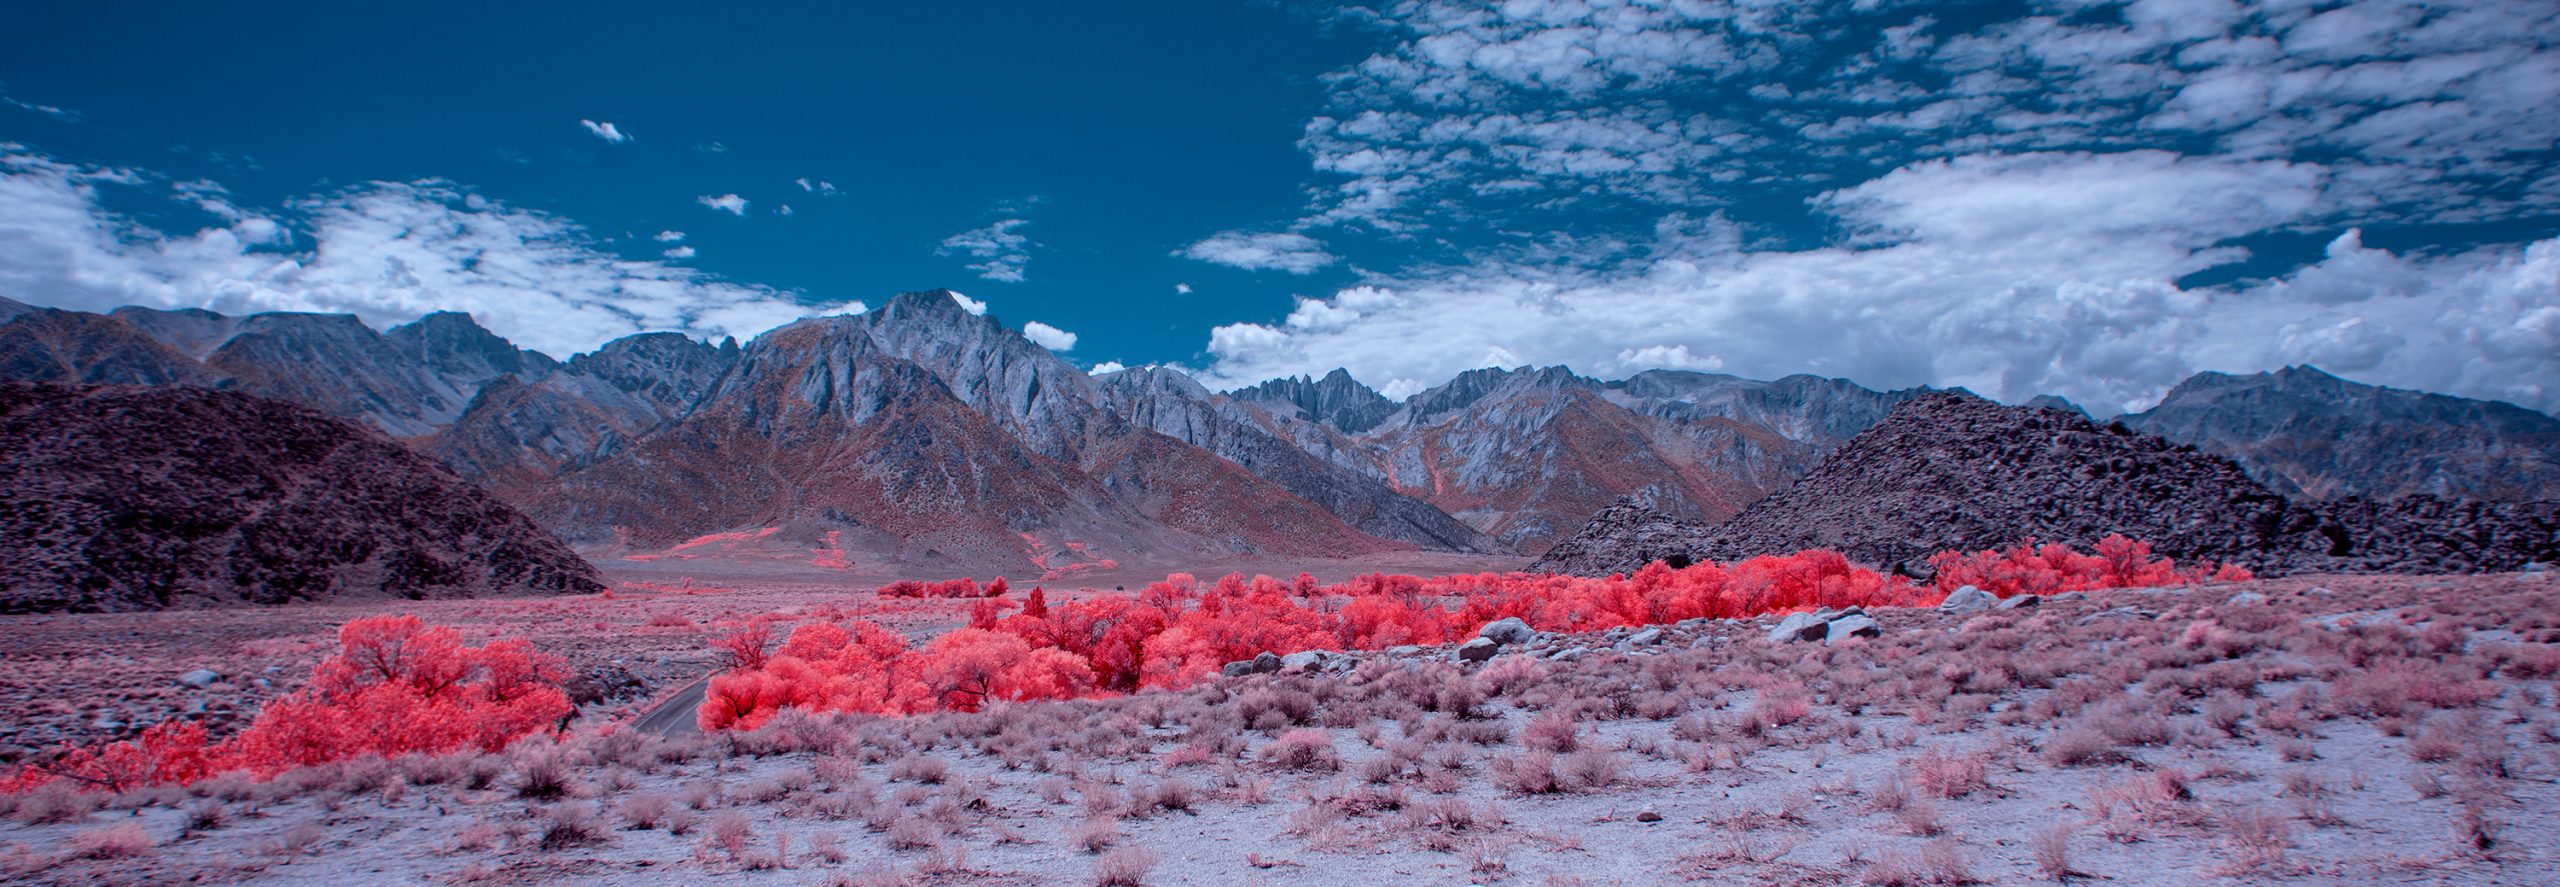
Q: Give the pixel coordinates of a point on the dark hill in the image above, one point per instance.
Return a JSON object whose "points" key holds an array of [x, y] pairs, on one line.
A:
{"points": [[118, 498], [1948, 471]]}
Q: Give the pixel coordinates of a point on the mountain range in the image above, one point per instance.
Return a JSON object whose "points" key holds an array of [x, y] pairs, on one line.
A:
{"points": [[929, 436]]}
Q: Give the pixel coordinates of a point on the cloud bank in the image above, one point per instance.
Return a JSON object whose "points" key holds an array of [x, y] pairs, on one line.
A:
{"points": [[2016, 203], [386, 252]]}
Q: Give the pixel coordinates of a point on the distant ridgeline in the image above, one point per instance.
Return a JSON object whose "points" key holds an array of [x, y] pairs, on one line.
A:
{"points": [[923, 435]]}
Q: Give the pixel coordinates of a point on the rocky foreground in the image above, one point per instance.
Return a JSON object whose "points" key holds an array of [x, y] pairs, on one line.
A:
{"points": [[2309, 730]]}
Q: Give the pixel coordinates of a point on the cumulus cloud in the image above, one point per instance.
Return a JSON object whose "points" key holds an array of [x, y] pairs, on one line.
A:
{"points": [[727, 203], [606, 131], [681, 252], [2008, 202], [669, 236], [1049, 337], [1182, 289], [386, 252], [1267, 251], [826, 188], [2051, 294], [1002, 253], [1483, 112], [1106, 368]]}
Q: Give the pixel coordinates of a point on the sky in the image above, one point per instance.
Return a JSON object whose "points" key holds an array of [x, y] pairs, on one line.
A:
{"points": [[2094, 200]]}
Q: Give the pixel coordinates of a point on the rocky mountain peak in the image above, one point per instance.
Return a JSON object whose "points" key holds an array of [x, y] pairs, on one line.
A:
{"points": [[1337, 400]]}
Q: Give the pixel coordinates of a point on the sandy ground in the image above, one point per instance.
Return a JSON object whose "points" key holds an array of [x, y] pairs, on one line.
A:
{"points": [[2339, 730]]}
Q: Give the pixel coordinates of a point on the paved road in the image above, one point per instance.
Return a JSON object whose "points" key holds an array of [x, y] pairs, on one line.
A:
{"points": [[675, 717]]}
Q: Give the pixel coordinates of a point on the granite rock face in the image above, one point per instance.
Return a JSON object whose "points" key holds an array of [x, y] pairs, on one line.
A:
{"points": [[132, 498]]}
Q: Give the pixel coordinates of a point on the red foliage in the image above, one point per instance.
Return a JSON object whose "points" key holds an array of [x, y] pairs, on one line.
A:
{"points": [[2027, 568], [396, 685], [1173, 633]]}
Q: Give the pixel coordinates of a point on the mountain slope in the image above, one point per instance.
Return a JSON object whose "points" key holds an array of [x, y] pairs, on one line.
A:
{"points": [[1172, 404], [2304, 432], [128, 498]]}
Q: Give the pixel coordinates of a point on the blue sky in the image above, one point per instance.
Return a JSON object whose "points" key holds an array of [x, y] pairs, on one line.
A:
{"points": [[2082, 198]]}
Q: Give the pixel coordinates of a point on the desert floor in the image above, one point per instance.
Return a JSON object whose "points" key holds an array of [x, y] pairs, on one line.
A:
{"points": [[2305, 730]]}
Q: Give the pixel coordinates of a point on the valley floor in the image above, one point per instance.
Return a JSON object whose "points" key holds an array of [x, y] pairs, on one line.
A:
{"points": [[2309, 730]]}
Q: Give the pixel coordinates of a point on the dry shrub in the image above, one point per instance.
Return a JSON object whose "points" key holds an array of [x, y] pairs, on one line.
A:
{"points": [[571, 825], [1096, 834], [120, 841], [920, 768], [1529, 772], [1303, 749], [1552, 732], [1125, 867], [2052, 849], [1588, 770], [2080, 745], [1940, 863], [646, 809], [2258, 837], [1947, 776]]}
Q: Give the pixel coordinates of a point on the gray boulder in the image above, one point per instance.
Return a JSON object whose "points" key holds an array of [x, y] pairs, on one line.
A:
{"points": [[1645, 638], [1508, 632], [1859, 626], [1304, 661], [200, 678], [1799, 627], [2245, 598], [2020, 602], [1477, 650], [1266, 662], [1967, 599]]}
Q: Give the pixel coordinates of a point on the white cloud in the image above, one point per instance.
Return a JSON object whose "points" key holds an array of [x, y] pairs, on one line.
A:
{"points": [[669, 236], [681, 252], [1268, 251], [783, 211], [606, 131], [2011, 276], [1106, 368], [826, 188], [1666, 357], [973, 306], [1002, 252], [1182, 289], [1049, 337], [386, 252], [727, 203]]}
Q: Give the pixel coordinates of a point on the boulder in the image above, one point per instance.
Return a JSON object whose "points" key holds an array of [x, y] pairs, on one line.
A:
{"points": [[1304, 661], [1508, 632], [1266, 662], [2020, 602], [1477, 650], [1645, 638], [1967, 599], [2245, 598], [200, 678], [1859, 626], [1799, 627]]}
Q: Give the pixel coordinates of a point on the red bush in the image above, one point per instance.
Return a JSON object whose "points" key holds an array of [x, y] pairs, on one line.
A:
{"points": [[396, 685], [1173, 633]]}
